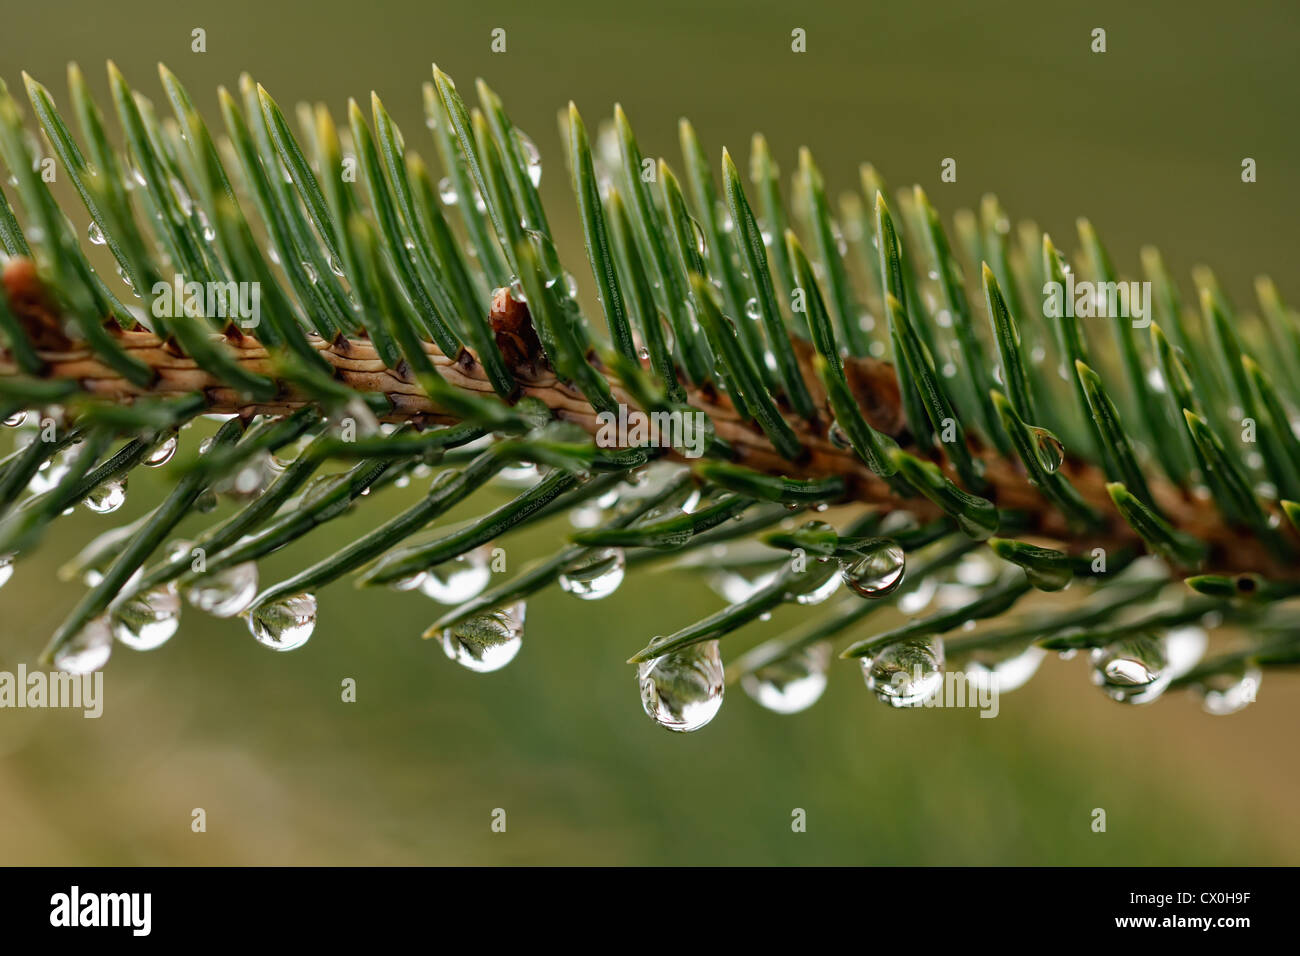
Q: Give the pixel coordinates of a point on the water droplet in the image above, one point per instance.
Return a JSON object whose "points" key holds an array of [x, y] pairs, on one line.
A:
{"points": [[459, 580], [532, 158], [88, 650], [876, 569], [701, 246], [16, 419], [138, 176], [408, 583], [224, 593], [1132, 670], [488, 641], [6, 568], [522, 475], [206, 502], [837, 437], [285, 624], [595, 574], [335, 265], [793, 683], [643, 353], [146, 621], [310, 271], [48, 475], [735, 587], [1229, 691], [107, 498], [163, 453], [683, 691], [816, 583], [1005, 673], [907, 673], [95, 234], [1047, 448], [976, 570], [752, 310], [126, 279], [1184, 648]]}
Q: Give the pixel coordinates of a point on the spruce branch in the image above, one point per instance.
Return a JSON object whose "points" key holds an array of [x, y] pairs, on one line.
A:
{"points": [[407, 326]]}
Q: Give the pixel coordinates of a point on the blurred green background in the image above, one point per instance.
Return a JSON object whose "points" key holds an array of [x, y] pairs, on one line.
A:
{"points": [[1146, 139]]}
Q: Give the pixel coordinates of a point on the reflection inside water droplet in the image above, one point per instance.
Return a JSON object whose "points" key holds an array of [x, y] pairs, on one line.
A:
{"points": [[107, 498], [88, 651], [1132, 670], [907, 673], [145, 621], [683, 691], [1230, 690], [876, 569], [286, 624], [458, 580], [791, 684], [225, 593], [486, 642], [595, 574]]}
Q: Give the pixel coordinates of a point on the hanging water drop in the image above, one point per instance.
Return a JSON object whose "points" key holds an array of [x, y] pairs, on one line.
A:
{"points": [[163, 453], [488, 641], [837, 437], [875, 569], [532, 158], [907, 673], [1047, 448], [594, 574], [16, 419], [107, 498], [792, 684], [285, 624], [408, 583], [735, 587], [335, 265], [1229, 690], [309, 270], [48, 475], [1006, 672], [522, 475], [682, 691], [145, 621], [459, 580], [817, 582], [751, 309], [701, 246], [224, 593], [95, 234], [1132, 670], [88, 650]]}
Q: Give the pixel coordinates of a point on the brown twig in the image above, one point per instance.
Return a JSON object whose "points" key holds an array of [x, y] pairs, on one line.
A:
{"points": [[874, 384]]}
